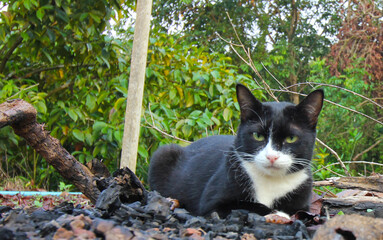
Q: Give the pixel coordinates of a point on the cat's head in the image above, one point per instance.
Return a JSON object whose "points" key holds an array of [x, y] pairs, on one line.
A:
{"points": [[277, 138]]}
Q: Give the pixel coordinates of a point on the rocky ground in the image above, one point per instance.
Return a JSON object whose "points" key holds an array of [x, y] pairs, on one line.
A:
{"points": [[125, 210], [155, 220]]}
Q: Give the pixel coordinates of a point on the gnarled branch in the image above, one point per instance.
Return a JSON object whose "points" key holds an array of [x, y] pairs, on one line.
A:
{"points": [[21, 116]]}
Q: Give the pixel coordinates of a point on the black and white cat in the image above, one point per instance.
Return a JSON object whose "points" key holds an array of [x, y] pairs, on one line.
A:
{"points": [[266, 164]]}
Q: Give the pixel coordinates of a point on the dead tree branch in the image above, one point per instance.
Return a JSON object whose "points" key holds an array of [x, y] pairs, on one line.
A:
{"points": [[367, 150], [21, 116], [372, 183]]}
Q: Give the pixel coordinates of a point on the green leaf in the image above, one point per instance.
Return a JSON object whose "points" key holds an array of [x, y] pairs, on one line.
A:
{"points": [[118, 103], [118, 136], [189, 100], [96, 150], [227, 114], [51, 35], [180, 123], [103, 95], [216, 121], [83, 16], [61, 14], [95, 17], [90, 102], [215, 74], [122, 90], [172, 93], [40, 14], [41, 107], [78, 134], [195, 114], [27, 4], [48, 56], [186, 130], [142, 151], [72, 114], [89, 138], [98, 126]]}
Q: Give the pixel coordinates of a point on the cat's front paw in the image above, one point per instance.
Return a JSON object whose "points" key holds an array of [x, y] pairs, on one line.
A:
{"points": [[278, 217]]}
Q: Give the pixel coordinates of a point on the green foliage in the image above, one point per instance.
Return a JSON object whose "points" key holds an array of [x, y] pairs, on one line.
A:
{"points": [[194, 93], [283, 35], [60, 56], [65, 187], [189, 93], [56, 56], [352, 132]]}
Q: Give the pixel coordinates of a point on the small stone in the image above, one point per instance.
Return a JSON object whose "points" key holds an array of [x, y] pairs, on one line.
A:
{"points": [[85, 219], [254, 219], [233, 228], [63, 233], [4, 209], [119, 233], [214, 216], [6, 234], [158, 204], [195, 222], [102, 225], [248, 236], [77, 223], [182, 215], [231, 235], [192, 233], [109, 199], [80, 233], [49, 228], [65, 219], [65, 207]]}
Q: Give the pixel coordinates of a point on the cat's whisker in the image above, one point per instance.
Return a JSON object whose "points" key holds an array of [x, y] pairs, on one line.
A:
{"points": [[303, 162]]}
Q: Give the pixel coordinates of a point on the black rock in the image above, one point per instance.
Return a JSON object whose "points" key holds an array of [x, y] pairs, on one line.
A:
{"points": [[109, 199], [65, 207], [4, 209], [154, 219], [6, 234]]}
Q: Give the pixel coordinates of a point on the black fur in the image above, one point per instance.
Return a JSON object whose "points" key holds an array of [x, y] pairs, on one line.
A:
{"points": [[208, 175]]}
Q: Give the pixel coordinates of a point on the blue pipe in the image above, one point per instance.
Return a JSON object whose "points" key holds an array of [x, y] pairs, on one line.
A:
{"points": [[32, 193]]}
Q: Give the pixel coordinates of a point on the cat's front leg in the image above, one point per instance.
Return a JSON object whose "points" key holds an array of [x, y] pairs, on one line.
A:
{"points": [[210, 199], [217, 192]]}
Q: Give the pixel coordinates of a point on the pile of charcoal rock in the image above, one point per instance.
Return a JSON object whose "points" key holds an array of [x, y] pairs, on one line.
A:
{"points": [[125, 210], [156, 219]]}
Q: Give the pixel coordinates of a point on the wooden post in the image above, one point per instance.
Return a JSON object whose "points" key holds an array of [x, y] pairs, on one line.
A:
{"points": [[136, 85]]}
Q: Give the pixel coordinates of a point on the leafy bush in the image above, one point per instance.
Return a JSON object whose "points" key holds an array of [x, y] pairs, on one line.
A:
{"points": [[354, 128]]}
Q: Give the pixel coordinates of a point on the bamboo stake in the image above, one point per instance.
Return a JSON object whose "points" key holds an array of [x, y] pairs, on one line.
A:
{"points": [[136, 85]]}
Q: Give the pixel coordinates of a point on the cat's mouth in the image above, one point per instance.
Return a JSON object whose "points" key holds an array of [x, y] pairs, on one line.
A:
{"points": [[273, 167]]}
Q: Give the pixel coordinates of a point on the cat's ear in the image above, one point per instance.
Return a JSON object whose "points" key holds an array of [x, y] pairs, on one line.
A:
{"points": [[250, 107], [312, 105]]}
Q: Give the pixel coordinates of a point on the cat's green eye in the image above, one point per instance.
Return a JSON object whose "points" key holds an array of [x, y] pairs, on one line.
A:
{"points": [[292, 139], [258, 137]]}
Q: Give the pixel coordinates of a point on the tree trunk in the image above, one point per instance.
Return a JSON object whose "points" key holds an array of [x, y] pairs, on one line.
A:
{"points": [[136, 85], [293, 77]]}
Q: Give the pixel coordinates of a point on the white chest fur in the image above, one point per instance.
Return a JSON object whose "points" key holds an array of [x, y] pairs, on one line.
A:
{"points": [[268, 188]]}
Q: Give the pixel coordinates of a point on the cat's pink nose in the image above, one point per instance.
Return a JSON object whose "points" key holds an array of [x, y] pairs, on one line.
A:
{"points": [[272, 158]]}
